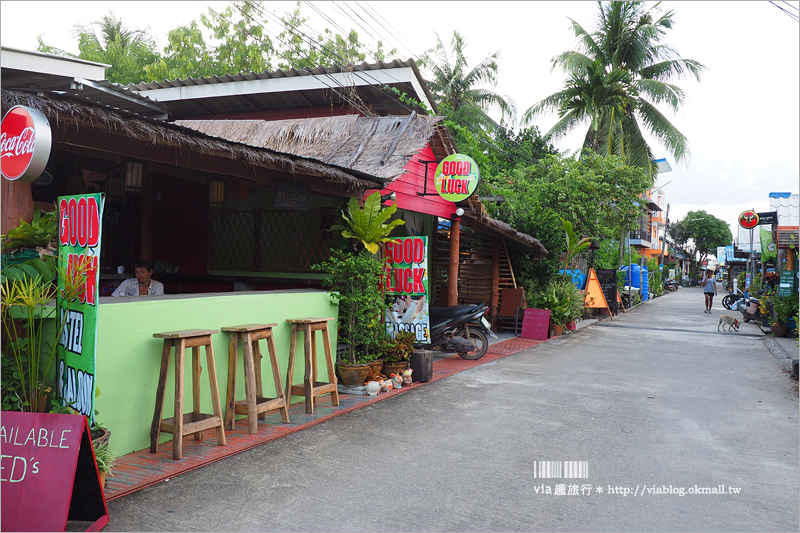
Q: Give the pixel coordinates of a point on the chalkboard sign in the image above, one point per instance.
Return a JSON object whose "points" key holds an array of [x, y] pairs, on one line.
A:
{"points": [[788, 283], [288, 195], [535, 324], [48, 473], [608, 283]]}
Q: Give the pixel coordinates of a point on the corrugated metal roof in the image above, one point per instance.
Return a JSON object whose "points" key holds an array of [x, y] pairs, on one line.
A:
{"points": [[296, 93]]}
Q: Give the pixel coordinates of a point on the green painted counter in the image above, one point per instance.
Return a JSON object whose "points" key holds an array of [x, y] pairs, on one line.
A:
{"points": [[128, 357]]}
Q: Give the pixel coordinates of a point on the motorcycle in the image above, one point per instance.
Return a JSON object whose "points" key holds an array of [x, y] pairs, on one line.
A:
{"points": [[730, 300], [670, 285], [461, 329], [749, 308]]}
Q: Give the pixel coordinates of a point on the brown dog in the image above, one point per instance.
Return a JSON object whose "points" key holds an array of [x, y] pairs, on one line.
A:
{"points": [[730, 321]]}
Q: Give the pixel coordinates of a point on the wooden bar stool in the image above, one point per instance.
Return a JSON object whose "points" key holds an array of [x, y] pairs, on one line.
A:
{"points": [[311, 388], [190, 423], [255, 406]]}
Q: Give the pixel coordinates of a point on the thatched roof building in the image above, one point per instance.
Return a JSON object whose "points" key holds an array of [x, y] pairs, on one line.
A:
{"points": [[378, 146], [76, 112]]}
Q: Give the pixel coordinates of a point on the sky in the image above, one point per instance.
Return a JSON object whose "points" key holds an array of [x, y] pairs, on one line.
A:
{"points": [[742, 119]]}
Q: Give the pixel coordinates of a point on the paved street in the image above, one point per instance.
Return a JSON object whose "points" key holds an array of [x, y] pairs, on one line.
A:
{"points": [[656, 401]]}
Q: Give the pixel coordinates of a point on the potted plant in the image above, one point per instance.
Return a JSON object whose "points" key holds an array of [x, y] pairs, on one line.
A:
{"points": [[105, 460], [354, 284], [785, 308], [397, 352], [354, 290]]}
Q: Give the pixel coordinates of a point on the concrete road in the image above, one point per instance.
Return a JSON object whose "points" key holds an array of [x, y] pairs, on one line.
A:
{"points": [[665, 412]]}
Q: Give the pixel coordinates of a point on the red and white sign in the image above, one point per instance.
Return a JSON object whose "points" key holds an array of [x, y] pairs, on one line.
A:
{"points": [[25, 143]]}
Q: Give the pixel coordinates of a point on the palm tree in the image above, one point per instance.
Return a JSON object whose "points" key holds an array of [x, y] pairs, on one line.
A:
{"points": [[616, 78], [454, 83]]}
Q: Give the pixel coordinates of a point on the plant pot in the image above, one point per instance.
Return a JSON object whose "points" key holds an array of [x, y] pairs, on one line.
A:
{"points": [[779, 330], [396, 368], [571, 325], [353, 375], [376, 365], [557, 330], [103, 480], [102, 438]]}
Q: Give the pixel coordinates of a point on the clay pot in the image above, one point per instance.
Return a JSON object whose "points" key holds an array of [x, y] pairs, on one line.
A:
{"points": [[557, 330], [571, 325], [389, 369], [377, 365], [778, 330], [353, 375]]}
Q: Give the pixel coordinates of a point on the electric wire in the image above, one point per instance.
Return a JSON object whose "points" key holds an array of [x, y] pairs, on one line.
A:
{"points": [[366, 73]]}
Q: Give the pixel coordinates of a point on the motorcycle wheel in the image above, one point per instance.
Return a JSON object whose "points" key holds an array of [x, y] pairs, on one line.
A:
{"points": [[481, 341], [726, 302]]}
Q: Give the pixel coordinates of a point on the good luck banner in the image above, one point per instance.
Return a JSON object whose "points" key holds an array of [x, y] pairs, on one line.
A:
{"points": [[405, 281], [79, 223]]}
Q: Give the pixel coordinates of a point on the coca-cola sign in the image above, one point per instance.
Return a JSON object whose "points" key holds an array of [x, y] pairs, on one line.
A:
{"points": [[25, 143]]}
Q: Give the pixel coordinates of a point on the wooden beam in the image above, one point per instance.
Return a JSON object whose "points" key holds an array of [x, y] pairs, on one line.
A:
{"points": [[103, 145], [495, 300], [17, 203], [452, 270]]}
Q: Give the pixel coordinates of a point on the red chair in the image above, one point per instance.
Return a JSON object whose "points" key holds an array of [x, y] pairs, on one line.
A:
{"points": [[512, 304]]}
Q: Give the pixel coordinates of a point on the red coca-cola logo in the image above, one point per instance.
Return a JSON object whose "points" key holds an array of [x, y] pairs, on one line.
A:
{"points": [[24, 143]]}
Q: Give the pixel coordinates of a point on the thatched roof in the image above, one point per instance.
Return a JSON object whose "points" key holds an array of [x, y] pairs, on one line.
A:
{"points": [[378, 146], [83, 113], [478, 218]]}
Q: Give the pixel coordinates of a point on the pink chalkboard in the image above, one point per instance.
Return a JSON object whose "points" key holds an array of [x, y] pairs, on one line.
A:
{"points": [[535, 324], [48, 473]]}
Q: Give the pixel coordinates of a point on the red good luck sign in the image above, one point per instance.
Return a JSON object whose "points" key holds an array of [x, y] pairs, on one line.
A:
{"points": [[25, 143], [748, 219]]}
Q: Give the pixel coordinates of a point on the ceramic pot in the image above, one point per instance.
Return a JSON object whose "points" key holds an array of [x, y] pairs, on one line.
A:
{"points": [[389, 369], [571, 325], [557, 330], [353, 375], [377, 365], [778, 330]]}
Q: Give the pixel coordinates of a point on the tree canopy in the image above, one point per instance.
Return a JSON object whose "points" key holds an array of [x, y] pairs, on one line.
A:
{"points": [[700, 233], [617, 78]]}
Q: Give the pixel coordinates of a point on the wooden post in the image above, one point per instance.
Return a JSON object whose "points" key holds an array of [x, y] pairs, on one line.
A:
{"points": [[146, 249], [452, 270], [17, 203], [495, 301]]}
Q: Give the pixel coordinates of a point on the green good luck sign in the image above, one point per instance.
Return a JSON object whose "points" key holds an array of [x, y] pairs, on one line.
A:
{"points": [[79, 225], [457, 177]]}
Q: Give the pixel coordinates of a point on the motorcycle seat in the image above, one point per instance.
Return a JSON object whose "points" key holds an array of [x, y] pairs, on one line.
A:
{"points": [[453, 311]]}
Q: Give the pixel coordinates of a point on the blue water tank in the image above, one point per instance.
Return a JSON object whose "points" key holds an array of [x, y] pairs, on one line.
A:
{"points": [[578, 277], [637, 275], [645, 284]]}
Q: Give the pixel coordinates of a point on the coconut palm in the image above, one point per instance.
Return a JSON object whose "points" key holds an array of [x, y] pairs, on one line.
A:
{"points": [[454, 84], [620, 100]]}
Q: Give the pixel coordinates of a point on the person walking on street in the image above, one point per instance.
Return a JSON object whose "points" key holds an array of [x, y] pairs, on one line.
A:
{"points": [[709, 289]]}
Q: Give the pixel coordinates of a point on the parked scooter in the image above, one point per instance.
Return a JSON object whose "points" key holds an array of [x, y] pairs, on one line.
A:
{"points": [[730, 300], [749, 308], [670, 285], [461, 329]]}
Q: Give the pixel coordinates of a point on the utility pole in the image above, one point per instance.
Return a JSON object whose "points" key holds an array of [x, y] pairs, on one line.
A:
{"points": [[664, 243]]}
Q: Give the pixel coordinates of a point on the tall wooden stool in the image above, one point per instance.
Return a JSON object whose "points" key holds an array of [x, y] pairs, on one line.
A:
{"points": [[311, 388], [190, 423], [255, 406]]}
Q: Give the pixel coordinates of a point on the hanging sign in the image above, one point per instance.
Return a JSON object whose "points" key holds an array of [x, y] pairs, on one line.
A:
{"points": [[79, 228], [48, 473], [457, 177], [405, 281], [769, 249], [748, 219], [25, 143], [768, 218]]}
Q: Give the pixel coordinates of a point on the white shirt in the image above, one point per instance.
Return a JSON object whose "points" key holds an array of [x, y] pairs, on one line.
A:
{"points": [[130, 287]]}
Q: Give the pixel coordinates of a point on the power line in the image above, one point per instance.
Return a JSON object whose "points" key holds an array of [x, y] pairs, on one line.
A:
{"points": [[791, 15], [753, 185], [334, 55]]}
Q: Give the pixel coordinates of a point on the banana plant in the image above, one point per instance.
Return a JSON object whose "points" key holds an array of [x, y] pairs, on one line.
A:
{"points": [[368, 224], [574, 246]]}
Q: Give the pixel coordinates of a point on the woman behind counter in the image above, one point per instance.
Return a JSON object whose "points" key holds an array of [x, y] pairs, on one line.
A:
{"points": [[141, 285]]}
